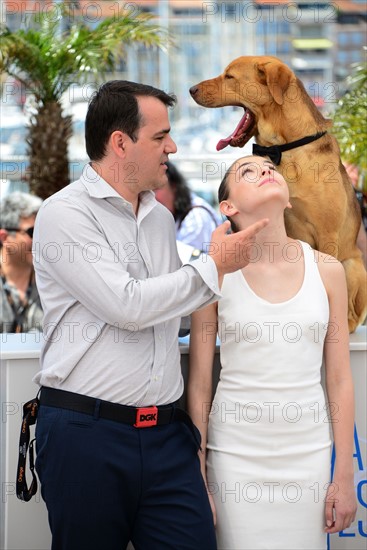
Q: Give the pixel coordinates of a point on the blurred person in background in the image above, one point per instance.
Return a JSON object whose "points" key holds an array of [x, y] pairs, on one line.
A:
{"points": [[195, 218], [21, 309]]}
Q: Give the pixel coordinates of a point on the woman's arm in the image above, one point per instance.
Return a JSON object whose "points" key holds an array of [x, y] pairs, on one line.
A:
{"points": [[341, 504], [199, 387]]}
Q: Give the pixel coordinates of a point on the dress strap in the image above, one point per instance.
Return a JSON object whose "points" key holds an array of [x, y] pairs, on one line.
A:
{"points": [[312, 273]]}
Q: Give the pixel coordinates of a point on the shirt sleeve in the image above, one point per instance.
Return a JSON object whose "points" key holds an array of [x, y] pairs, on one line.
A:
{"points": [[74, 259]]}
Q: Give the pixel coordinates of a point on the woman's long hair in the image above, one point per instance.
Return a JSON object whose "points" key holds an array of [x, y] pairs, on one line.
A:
{"points": [[182, 202]]}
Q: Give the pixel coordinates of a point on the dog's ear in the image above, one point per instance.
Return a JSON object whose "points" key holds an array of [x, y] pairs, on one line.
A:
{"points": [[276, 76]]}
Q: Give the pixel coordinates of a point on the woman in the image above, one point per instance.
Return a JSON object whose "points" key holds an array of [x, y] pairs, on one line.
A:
{"points": [[267, 464]]}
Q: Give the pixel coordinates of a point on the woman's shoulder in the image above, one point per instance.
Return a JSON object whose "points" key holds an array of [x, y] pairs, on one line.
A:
{"points": [[200, 207], [330, 268], [331, 271], [322, 258], [327, 262]]}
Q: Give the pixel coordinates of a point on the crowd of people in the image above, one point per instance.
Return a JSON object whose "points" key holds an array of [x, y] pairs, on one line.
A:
{"points": [[117, 459]]}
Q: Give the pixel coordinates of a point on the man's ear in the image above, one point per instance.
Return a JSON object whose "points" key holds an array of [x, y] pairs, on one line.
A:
{"points": [[118, 141], [227, 208], [289, 205]]}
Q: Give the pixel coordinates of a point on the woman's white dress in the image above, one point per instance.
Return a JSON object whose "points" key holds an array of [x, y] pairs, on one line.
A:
{"points": [[268, 436]]}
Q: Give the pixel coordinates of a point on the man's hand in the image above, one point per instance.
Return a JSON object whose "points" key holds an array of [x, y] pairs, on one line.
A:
{"points": [[234, 251]]}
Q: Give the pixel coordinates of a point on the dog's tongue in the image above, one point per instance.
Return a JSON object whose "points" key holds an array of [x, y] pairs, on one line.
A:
{"points": [[242, 125], [222, 143]]}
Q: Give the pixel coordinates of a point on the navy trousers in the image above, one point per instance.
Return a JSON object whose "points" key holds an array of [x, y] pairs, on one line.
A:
{"points": [[106, 483]]}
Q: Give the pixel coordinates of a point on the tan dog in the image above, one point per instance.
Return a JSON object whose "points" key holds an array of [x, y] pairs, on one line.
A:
{"points": [[278, 111]]}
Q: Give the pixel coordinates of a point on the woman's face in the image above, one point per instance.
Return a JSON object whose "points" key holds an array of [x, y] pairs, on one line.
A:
{"points": [[252, 184]]}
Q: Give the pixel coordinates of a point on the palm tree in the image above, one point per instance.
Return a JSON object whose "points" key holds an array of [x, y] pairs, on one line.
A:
{"points": [[47, 61]]}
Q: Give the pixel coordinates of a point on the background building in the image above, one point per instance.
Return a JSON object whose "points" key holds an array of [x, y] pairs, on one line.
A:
{"points": [[318, 39]]}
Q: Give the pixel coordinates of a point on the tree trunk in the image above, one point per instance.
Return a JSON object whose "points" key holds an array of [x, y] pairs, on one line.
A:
{"points": [[48, 150]]}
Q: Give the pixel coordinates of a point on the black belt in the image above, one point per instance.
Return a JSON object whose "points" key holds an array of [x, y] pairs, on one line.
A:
{"points": [[140, 417]]}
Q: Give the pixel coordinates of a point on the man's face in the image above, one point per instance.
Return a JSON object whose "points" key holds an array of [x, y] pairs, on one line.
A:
{"points": [[149, 153], [18, 244]]}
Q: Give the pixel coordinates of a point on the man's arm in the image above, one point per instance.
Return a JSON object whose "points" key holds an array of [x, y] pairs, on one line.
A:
{"points": [[105, 287]]}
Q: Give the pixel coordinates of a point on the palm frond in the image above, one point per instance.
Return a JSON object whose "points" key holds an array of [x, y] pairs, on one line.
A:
{"points": [[48, 61], [349, 119]]}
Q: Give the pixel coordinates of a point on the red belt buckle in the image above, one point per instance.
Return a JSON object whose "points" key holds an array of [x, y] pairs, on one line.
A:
{"points": [[146, 417]]}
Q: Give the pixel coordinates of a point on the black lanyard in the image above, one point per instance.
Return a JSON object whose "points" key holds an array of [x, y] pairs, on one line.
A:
{"points": [[30, 412]]}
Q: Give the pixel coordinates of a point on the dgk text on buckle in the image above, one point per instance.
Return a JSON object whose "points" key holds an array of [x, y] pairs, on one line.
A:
{"points": [[146, 417]]}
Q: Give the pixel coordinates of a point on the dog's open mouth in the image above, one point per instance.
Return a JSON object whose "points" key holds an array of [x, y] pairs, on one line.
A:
{"points": [[241, 135]]}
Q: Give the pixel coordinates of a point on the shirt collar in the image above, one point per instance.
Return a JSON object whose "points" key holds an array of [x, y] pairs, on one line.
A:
{"points": [[98, 188]]}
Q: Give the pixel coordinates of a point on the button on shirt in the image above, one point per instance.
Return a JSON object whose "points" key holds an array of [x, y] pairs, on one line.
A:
{"points": [[113, 291]]}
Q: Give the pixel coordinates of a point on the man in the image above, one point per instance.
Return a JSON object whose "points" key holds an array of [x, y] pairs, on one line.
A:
{"points": [[20, 304], [116, 459]]}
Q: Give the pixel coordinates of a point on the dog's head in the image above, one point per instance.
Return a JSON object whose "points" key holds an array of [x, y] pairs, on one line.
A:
{"points": [[257, 83]]}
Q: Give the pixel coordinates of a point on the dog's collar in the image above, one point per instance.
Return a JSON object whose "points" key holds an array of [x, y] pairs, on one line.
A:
{"points": [[274, 152]]}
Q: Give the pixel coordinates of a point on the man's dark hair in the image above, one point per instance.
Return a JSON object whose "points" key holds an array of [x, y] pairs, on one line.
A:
{"points": [[114, 106]]}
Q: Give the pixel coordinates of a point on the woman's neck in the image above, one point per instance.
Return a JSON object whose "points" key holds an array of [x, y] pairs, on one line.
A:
{"points": [[270, 241]]}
